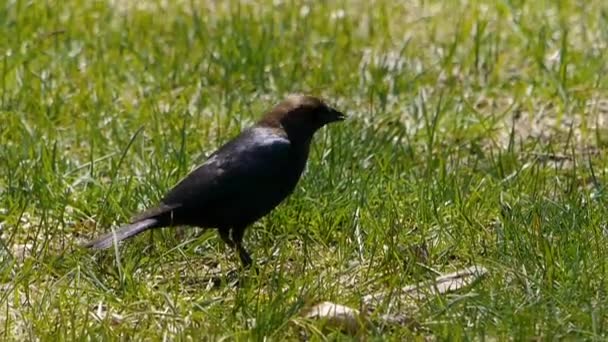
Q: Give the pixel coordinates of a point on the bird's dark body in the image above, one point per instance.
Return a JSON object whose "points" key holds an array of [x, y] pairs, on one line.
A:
{"points": [[242, 181]]}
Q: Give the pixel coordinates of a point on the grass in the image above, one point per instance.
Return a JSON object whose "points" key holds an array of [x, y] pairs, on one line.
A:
{"points": [[477, 134]]}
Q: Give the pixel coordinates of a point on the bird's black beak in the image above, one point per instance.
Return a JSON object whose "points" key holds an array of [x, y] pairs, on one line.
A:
{"points": [[337, 115]]}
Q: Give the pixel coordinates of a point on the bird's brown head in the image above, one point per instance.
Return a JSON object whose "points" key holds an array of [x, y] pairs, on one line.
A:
{"points": [[301, 116]]}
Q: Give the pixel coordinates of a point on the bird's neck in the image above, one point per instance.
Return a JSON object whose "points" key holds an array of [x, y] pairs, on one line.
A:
{"points": [[300, 137]]}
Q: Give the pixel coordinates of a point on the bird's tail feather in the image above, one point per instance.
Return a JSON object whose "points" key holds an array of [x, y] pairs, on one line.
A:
{"points": [[105, 241]]}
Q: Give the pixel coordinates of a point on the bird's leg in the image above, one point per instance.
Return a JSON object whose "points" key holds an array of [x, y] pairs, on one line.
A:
{"points": [[237, 238], [225, 235]]}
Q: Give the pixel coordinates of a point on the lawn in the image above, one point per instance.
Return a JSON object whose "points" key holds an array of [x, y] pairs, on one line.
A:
{"points": [[476, 135]]}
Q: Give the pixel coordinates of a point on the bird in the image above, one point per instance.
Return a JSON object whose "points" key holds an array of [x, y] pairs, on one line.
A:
{"points": [[242, 181]]}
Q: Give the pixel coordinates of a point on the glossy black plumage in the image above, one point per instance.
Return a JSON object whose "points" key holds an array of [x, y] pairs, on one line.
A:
{"points": [[243, 180]]}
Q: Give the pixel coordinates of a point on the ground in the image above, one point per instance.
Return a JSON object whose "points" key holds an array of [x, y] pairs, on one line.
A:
{"points": [[476, 135]]}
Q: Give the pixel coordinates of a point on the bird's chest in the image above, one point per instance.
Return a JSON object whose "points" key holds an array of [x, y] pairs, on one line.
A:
{"points": [[278, 183], [264, 192]]}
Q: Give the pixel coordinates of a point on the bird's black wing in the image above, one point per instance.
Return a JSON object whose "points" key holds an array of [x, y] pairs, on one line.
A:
{"points": [[240, 168]]}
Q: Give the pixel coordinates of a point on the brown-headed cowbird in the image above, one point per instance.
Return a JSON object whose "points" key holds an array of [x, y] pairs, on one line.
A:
{"points": [[243, 180]]}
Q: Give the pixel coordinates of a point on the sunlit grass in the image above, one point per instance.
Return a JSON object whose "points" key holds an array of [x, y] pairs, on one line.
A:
{"points": [[476, 135]]}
